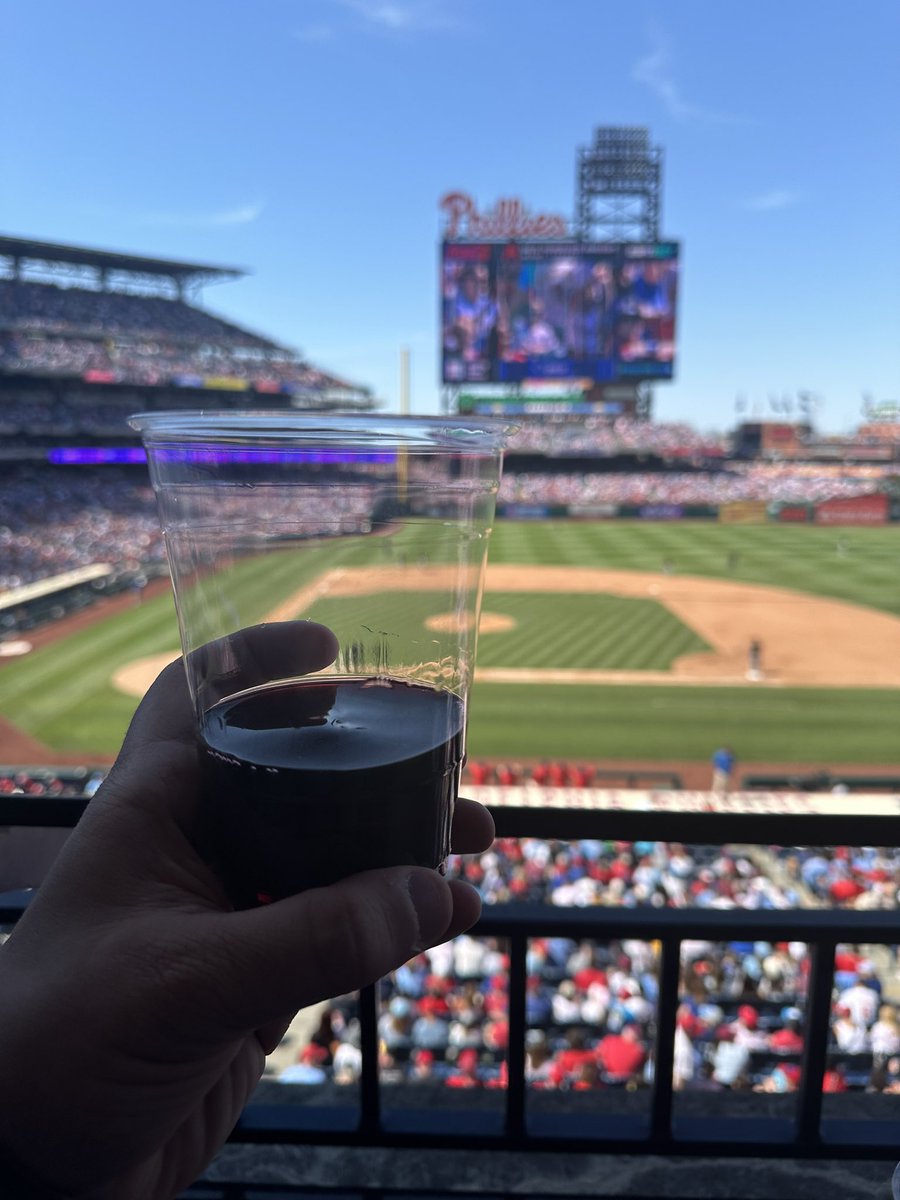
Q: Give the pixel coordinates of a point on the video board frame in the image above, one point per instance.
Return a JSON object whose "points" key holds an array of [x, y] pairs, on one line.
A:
{"points": [[524, 310]]}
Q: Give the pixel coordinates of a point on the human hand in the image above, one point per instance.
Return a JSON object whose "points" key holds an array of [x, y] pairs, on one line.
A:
{"points": [[136, 1008]]}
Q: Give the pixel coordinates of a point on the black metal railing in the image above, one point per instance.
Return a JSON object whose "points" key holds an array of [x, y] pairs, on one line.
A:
{"points": [[799, 1130], [802, 1133]]}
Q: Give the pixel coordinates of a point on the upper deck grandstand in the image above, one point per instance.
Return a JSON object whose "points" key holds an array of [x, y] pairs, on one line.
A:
{"points": [[72, 314]]}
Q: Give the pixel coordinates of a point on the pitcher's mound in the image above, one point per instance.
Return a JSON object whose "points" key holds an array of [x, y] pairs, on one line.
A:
{"points": [[135, 677], [489, 623]]}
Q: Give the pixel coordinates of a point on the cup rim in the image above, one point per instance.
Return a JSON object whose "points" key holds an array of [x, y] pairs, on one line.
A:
{"points": [[276, 427]]}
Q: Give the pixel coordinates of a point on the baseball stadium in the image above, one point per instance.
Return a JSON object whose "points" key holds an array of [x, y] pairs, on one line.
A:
{"points": [[656, 597]]}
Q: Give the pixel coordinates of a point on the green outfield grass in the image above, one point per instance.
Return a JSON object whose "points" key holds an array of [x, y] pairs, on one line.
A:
{"points": [[593, 632], [62, 694], [861, 565], [817, 726]]}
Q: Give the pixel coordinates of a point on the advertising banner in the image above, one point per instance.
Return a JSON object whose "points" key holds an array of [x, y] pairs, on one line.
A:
{"points": [[701, 512], [743, 512], [587, 512], [661, 512], [853, 510], [796, 514], [225, 383], [530, 512]]}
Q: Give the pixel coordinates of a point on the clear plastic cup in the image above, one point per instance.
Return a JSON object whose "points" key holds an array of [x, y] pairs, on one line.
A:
{"points": [[323, 755]]}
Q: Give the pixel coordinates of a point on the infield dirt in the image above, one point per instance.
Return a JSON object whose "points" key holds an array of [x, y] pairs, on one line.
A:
{"points": [[807, 641]]}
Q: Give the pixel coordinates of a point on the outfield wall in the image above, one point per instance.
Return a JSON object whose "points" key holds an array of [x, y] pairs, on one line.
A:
{"points": [[876, 508]]}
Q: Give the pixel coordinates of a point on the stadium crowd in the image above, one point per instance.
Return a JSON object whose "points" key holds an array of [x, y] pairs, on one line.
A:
{"points": [[771, 483], [591, 1007], [75, 782], [151, 340], [52, 522], [158, 361], [860, 877], [599, 435], [26, 305]]}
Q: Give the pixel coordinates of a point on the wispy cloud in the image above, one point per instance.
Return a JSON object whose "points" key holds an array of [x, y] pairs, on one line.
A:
{"points": [[243, 214], [656, 71], [770, 201], [405, 16], [386, 17]]}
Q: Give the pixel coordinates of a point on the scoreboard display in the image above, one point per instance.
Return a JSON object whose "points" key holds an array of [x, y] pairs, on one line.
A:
{"points": [[558, 310]]}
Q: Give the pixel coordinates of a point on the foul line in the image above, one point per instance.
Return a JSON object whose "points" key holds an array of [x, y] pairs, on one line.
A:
{"points": [[562, 676]]}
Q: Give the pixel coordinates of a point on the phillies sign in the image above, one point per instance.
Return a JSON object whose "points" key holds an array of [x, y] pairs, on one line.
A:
{"points": [[508, 219]]}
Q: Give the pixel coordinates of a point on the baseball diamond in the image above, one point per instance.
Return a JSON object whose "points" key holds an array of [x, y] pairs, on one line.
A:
{"points": [[582, 607]]}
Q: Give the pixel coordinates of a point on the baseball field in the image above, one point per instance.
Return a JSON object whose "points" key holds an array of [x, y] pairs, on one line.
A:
{"points": [[600, 641]]}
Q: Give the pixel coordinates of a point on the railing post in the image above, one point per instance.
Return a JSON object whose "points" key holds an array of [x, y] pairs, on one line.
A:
{"points": [[515, 1092], [666, 1011], [815, 1042], [370, 1085]]}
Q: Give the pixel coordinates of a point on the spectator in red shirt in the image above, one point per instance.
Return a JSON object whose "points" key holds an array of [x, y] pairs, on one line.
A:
{"points": [[558, 774], [479, 773], [506, 775], [588, 975], [496, 1034], [466, 1073], [422, 1068], [847, 960], [788, 1039], [621, 1055], [833, 1080], [845, 891]]}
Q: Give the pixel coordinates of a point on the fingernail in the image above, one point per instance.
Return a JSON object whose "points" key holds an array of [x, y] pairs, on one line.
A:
{"points": [[433, 904]]}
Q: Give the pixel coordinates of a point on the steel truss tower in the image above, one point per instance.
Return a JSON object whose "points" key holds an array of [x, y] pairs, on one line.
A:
{"points": [[619, 186], [619, 193]]}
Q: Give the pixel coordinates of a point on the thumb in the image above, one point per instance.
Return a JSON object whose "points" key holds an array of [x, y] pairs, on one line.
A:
{"points": [[330, 941]]}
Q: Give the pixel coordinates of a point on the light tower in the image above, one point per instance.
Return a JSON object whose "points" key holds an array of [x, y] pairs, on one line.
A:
{"points": [[619, 186], [618, 200]]}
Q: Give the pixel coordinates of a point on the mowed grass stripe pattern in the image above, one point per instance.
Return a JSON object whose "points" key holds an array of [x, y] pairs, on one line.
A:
{"points": [[588, 632], [803, 725], [860, 565], [571, 632], [62, 694]]}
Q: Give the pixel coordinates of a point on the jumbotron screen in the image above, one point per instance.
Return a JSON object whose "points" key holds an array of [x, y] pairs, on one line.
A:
{"points": [[512, 311]]}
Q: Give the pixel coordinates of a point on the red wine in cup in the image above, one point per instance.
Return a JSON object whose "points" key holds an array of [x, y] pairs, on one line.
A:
{"points": [[308, 781]]}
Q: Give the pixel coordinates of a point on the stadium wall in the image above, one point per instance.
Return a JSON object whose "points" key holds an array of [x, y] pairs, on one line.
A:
{"points": [[870, 509]]}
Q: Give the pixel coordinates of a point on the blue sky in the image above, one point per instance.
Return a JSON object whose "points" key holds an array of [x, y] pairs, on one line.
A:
{"points": [[310, 141]]}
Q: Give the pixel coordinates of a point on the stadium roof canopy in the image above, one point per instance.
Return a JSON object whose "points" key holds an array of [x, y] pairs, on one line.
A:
{"points": [[57, 254]]}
